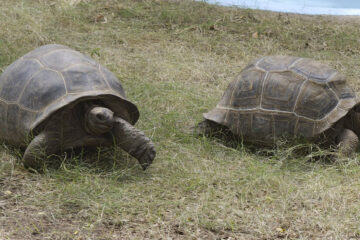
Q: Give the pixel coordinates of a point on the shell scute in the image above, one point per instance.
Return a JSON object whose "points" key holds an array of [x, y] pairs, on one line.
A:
{"points": [[315, 101], [348, 103], [313, 70], [16, 76], [276, 63], [26, 117], [305, 128], [111, 80], [320, 127], [342, 90], [335, 114], [240, 124], [44, 88], [246, 91], [284, 125], [243, 125], [63, 58], [12, 120], [281, 90], [3, 118], [82, 78], [262, 127]]}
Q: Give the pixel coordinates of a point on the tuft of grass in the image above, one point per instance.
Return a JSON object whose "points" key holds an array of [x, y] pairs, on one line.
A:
{"points": [[175, 59]]}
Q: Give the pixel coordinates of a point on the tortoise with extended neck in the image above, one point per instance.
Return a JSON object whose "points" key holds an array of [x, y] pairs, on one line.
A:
{"points": [[55, 99], [282, 96]]}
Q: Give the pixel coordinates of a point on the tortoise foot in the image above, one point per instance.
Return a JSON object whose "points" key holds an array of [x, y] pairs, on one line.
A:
{"points": [[134, 142]]}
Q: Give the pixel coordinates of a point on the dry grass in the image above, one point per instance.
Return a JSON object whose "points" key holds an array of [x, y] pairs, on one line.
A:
{"points": [[175, 58]]}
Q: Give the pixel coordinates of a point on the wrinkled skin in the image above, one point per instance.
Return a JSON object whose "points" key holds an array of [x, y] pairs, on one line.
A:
{"points": [[87, 125]]}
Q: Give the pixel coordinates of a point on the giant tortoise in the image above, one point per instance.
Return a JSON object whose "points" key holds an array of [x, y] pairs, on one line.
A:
{"points": [[282, 96], [54, 99]]}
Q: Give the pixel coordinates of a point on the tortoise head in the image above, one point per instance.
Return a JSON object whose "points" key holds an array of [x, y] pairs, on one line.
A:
{"points": [[99, 120]]}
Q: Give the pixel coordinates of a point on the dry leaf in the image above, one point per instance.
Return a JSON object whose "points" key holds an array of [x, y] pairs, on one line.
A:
{"points": [[101, 18]]}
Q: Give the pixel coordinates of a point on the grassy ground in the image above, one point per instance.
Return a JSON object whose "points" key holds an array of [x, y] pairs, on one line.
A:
{"points": [[175, 59]]}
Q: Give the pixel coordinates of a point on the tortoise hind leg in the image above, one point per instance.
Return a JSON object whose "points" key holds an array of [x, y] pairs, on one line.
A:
{"points": [[347, 142], [41, 146]]}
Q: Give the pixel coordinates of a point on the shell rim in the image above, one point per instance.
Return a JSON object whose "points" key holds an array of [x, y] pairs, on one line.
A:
{"points": [[132, 110]]}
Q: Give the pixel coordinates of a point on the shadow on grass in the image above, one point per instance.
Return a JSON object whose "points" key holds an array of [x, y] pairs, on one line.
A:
{"points": [[104, 162], [110, 162], [292, 155]]}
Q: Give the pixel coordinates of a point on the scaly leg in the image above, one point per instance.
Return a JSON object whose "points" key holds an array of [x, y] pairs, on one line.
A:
{"points": [[42, 145], [347, 142], [134, 142]]}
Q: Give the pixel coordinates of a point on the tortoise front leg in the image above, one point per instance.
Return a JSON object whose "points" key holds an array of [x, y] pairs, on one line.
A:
{"points": [[42, 145], [347, 142], [134, 142]]}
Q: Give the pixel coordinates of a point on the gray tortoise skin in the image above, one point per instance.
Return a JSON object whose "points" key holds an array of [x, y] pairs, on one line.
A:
{"points": [[52, 88], [282, 96]]}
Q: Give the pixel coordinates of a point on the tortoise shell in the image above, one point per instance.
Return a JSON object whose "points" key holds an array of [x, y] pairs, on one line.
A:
{"points": [[276, 96], [48, 79]]}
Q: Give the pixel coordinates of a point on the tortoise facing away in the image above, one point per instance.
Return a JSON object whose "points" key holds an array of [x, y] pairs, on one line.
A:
{"points": [[54, 99], [283, 96]]}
